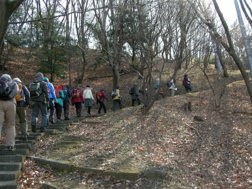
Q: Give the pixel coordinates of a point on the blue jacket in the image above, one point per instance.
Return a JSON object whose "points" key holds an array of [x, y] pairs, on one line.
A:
{"points": [[51, 90]]}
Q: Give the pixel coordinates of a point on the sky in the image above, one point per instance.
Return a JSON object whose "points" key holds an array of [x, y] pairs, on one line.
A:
{"points": [[227, 7]]}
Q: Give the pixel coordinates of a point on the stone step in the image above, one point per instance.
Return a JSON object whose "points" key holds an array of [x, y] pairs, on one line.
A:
{"points": [[91, 122], [10, 166], [29, 137], [25, 141], [15, 152], [8, 184], [12, 158], [60, 128], [53, 131], [19, 146], [8, 175]]}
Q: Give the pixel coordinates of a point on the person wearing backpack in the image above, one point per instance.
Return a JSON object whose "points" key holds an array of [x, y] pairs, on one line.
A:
{"points": [[156, 87], [117, 99], [40, 96], [171, 86], [60, 101], [88, 98], [100, 99], [52, 99], [77, 100], [66, 101], [134, 94], [8, 91], [187, 84], [23, 100]]}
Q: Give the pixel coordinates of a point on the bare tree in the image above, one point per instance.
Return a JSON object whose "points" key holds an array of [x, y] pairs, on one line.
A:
{"points": [[229, 46], [110, 15]]}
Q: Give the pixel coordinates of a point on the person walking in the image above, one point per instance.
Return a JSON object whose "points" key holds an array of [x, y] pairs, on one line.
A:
{"points": [[59, 104], [23, 100], [117, 99], [77, 100], [88, 98], [8, 109], [100, 99], [134, 94], [66, 101], [171, 86], [187, 84], [40, 96], [52, 99]]}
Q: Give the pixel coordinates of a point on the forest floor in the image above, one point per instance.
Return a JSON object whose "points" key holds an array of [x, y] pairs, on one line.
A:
{"points": [[213, 153]]}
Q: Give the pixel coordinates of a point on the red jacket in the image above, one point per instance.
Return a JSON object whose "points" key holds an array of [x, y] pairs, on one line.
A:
{"points": [[79, 99]]}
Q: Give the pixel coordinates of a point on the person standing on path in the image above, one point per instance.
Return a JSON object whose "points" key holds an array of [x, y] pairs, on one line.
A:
{"points": [[187, 84], [134, 95], [77, 100], [88, 98], [52, 99], [117, 99], [23, 101], [101, 101], [66, 101], [40, 99], [8, 110]]}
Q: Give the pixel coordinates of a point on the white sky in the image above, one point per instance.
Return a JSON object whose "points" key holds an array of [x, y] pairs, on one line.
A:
{"points": [[227, 7]]}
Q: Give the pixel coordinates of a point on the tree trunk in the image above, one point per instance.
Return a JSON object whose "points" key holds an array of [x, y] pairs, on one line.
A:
{"points": [[6, 9]]}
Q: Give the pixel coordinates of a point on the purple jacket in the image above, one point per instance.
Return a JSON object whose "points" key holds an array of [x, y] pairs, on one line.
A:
{"points": [[104, 96]]}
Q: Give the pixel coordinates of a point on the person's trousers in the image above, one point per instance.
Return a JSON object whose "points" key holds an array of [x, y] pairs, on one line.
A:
{"points": [[78, 107], [51, 107], [58, 108], [35, 112], [114, 104], [102, 105], [66, 108], [133, 101], [21, 114], [7, 116]]}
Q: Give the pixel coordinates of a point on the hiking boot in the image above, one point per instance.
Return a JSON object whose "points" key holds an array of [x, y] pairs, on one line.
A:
{"points": [[51, 121], [42, 129], [34, 129], [66, 118], [10, 148], [58, 120]]}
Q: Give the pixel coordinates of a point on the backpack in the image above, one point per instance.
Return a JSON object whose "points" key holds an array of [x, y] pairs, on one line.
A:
{"points": [[184, 82], [65, 89], [76, 93], [156, 86], [169, 84], [140, 88], [113, 94], [35, 89], [4, 90], [131, 92], [58, 91], [20, 94], [99, 96]]}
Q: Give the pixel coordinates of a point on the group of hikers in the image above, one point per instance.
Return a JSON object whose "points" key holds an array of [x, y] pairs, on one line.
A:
{"points": [[43, 97]]}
